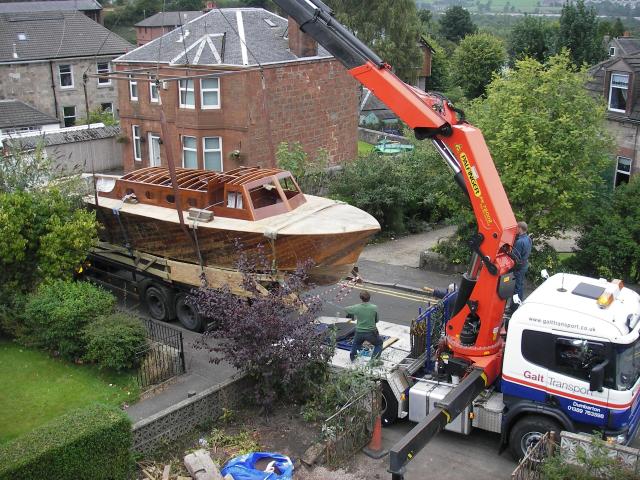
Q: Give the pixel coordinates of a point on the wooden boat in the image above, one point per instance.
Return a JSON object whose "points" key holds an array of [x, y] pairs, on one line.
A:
{"points": [[257, 208]]}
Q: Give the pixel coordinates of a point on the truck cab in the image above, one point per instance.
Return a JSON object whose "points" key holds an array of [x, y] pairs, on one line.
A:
{"points": [[572, 361]]}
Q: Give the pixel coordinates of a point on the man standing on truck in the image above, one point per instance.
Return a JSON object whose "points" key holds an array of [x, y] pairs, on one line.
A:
{"points": [[366, 315], [521, 250]]}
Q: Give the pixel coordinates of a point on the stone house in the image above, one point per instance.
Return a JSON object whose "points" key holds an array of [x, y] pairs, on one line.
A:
{"points": [[90, 8], [162, 22], [43, 58], [617, 80], [622, 46], [233, 84]]}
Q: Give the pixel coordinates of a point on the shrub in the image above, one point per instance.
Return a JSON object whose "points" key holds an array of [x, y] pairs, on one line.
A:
{"points": [[113, 341], [93, 442], [56, 314]]}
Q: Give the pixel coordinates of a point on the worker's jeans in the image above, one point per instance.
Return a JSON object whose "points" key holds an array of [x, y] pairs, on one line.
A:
{"points": [[519, 290], [372, 337]]}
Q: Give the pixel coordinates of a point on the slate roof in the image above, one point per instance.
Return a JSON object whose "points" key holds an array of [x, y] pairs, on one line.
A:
{"points": [[14, 114], [49, 6], [63, 136], [51, 35], [212, 40], [169, 19], [626, 45], [596, 85]]}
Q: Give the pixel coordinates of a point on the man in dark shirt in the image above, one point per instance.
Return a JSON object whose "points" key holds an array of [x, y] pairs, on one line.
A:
{"points": [[521, 250], [366, 315]]}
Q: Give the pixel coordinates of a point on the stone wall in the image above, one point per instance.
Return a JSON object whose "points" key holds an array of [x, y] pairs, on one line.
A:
{"points": [[183, 417]]}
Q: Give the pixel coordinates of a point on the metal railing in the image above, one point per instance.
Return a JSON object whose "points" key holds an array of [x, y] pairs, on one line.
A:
{"points": [[428, 326], [163, 356]]}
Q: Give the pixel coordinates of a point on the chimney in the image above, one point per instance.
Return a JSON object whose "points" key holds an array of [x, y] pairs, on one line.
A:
{"points": [[301, 44], [209, 6]]}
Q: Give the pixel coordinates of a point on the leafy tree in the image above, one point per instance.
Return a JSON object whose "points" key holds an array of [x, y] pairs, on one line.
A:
{"points": [[579, 33], [547, 137], [311, 174], [391, 29], [609, 245], [440, 68], [425, 17], [272, 335], [617, 30], [99, 116], [456, 24], [532, 37], [475, 61]]}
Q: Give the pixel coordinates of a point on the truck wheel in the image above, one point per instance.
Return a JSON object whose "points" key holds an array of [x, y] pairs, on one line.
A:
{"points": [[389, 407], [527, 432], [158, 303], [187, 315]]}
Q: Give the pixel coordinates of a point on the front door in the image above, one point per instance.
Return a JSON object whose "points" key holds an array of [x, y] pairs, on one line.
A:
{"points": [[154, 150]]}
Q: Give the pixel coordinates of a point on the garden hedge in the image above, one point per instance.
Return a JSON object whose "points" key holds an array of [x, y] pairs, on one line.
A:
{"points": [[90, 443]]}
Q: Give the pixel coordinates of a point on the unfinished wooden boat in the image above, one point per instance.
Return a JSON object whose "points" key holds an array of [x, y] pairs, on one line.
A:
{"points": [[257, 208]]}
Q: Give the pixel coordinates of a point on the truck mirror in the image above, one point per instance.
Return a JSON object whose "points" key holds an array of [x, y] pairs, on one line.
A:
{"points": [[544, 274], [596, 377], [516, 299]]}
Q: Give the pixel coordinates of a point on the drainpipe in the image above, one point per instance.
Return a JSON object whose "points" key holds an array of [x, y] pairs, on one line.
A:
{"points": [[53, 89]]}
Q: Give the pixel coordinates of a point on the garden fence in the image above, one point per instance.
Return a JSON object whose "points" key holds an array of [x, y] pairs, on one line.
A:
{"points": [[163, 356]]}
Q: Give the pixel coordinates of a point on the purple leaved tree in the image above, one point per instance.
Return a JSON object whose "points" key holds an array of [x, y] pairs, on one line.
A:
{"points": [[271, 335]]}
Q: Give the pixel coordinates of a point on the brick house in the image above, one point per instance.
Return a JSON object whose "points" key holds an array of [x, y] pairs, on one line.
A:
{"points": [[162, 22], [90, 8], [618, 81], [44, 55], [234, 84]]}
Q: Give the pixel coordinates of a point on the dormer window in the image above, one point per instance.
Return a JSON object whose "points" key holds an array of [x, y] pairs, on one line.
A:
{"points": [[612, 51], [619, 92]]}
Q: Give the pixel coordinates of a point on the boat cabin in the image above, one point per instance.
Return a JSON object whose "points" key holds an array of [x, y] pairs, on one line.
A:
{"points": [[246, 193]]}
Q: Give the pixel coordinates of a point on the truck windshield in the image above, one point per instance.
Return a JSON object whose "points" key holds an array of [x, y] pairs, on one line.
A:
{"points": [[627, 365]]}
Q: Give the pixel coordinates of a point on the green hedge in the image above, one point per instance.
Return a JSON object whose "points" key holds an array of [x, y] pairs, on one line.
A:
{"points": [[90, 443], [114, 341]]}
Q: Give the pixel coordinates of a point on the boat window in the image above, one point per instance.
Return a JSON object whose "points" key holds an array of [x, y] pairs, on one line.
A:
{"points": [[234, 200], [265, 195], [289, 187]]}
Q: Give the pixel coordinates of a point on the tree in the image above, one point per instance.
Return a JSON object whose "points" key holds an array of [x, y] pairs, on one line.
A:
{"points": [[609, 245], [391, 29], [475, 61], [99, 115], [272, 335], [456, 24], [579, 34], [547, 137], [440, 79], [531, 37], [617, 30], [425, 17]]}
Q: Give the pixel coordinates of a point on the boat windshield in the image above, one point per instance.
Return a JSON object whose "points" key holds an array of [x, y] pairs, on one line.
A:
{"points": [[627, 365]]}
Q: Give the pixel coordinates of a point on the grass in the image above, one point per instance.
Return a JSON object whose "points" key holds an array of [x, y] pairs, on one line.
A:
{"points": [[364, 148], [37, 388]]}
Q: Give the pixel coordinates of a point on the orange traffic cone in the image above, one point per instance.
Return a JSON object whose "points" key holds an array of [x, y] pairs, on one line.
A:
{"points": [[374, 449]]}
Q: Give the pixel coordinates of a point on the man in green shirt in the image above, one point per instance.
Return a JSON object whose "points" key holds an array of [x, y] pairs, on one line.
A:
{"points": [[366, 315]]}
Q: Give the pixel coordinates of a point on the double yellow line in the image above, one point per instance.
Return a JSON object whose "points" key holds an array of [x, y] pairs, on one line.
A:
{"points": [[396, 293]]}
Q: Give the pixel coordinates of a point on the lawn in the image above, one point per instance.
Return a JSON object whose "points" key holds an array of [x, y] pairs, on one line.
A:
{"points": [[37, 388], [364, 148]]}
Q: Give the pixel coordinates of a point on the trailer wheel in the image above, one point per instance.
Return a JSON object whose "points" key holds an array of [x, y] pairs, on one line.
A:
{"points": [[389, 407], [527, 432], [158, 302], [187, 315]]}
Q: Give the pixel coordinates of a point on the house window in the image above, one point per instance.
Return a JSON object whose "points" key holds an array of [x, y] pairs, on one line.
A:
{"points": [[189, 152], [66, 76], [623, 170], [612, 51], [137, 147], [103, 68], [187, 95], [107, 107], [210, 93], [619, 92], [133, 89], [154, 95], [212, 153], [69, 116]]}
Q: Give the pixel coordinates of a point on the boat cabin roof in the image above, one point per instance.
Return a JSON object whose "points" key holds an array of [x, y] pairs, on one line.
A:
{"points": [[249, 193]]}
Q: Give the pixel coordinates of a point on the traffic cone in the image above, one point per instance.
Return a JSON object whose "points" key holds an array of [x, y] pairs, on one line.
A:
{"points": [[374, 449]]}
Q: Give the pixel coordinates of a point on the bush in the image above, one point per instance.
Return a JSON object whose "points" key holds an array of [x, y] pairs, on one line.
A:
{"points": [[113, 341], [56, 314], [93, 442]]}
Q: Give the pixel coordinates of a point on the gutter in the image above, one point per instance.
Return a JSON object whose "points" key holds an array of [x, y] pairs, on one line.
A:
{"points": [[53, 89]]}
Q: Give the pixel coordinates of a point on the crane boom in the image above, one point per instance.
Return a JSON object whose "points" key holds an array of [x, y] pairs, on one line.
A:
{"points": [[473, 332]]}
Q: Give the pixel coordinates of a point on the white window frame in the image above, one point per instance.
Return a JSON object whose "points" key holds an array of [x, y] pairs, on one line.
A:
{"points": [[622, 172], [212, 150], [189, 149], [70, 73], [74, 116], [153, 87], [103, 82], [203, 90], [136, 136], [153, 136], [186, 89], [612, 51], [611, 87], [133, 84]]}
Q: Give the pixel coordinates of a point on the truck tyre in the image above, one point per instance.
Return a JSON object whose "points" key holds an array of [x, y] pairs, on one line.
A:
{"points": [[389, 407], [187, 315], [527, 432], [159, 302]]}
